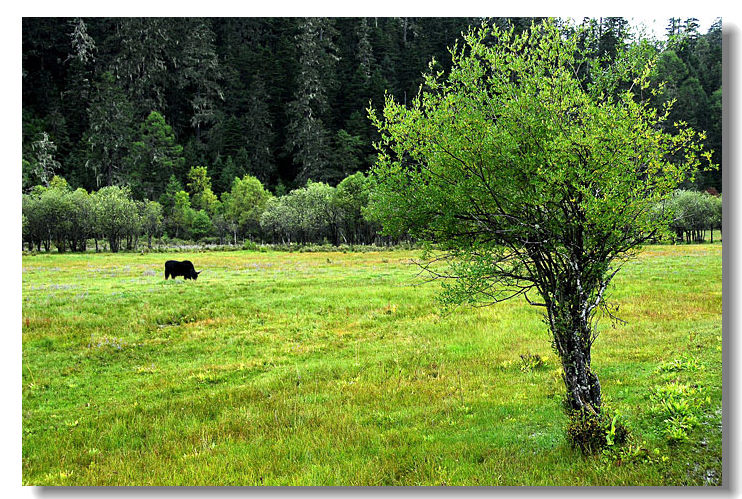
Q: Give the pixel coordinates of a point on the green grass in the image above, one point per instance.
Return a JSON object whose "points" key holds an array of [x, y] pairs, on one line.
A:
{"points": [[340, 369]]}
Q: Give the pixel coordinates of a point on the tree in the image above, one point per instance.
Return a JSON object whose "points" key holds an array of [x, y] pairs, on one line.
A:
{"points": [[201, 225], [200, 72], [80, 219], [154, 157], [182, 213], [531, 181], [45, 164], [307, 132], [48, 211], [280, 219], [351, 198], [167, 199], [110, 117], [34, 223], [245, 204], [199, 187], [142, 61], [150, 213], [115, 213]]}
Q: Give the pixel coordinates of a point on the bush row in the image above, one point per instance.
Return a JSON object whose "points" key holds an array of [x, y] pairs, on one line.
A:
{"points": [[316, 217]]}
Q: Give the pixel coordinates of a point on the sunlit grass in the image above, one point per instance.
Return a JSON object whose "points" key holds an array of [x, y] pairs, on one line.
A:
{"points": [[340, 369]]}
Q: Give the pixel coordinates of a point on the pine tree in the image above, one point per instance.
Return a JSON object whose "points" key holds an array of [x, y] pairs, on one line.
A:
{"points": [[143, 61], [259, 135], [45, 164], [154, 157], [307, 134], [199, 73], [110, 117]]}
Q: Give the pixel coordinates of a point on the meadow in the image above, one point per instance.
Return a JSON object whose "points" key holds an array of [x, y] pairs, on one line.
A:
{"points": [[288, 368]]}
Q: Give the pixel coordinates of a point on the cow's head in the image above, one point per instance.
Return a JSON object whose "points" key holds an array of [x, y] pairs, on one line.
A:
{"points": [[194, 274]]}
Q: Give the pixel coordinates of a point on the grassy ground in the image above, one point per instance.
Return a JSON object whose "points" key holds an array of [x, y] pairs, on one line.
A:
{"points": [[338, 369]]}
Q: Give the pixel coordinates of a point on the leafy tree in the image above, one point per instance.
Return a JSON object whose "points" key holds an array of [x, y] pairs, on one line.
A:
{"points": [[151, 215], [201, 225], [692, 213], [280, 219], [351, 198], [182, 214], [115, 213], [307, 214], [199, 187], [531, 181], [48, 211], [80, 219], [33, 221], [245, 204]]}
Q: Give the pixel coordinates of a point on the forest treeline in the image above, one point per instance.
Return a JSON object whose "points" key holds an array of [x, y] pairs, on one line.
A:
{"points": [[194, 113]]}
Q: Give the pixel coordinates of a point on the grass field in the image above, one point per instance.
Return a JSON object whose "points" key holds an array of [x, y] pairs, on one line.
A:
{"points": [[340, 369]]}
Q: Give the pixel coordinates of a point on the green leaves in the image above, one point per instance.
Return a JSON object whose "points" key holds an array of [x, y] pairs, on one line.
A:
{"points": [[529, 150]]}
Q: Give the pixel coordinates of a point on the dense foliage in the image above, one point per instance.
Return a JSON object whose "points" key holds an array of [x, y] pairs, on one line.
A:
{"points": [[536, 168], [134, 101], [59, 217]]}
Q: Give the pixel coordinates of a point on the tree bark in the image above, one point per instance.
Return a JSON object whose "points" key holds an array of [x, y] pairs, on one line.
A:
{"points": [[572, 333], [583, 387]]}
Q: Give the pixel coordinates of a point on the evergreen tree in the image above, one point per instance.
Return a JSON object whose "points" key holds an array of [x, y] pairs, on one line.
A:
{"points": [[44, 165], [199, 72], [143, 61], [108, 138], [307, 132], [259, 134], [154, 158]]}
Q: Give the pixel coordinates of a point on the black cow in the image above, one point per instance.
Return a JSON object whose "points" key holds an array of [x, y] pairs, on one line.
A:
{"points": [[185, 268]]}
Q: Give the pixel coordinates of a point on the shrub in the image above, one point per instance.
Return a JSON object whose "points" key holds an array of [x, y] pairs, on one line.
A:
{"points": [[591, 433], [250, 245]]}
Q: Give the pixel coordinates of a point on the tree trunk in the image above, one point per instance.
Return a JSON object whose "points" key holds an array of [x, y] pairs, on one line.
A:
{"points": [[572, 340]]}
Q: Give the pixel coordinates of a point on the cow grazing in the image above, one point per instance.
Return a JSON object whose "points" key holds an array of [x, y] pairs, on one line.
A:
{"points": [[185, 268]]}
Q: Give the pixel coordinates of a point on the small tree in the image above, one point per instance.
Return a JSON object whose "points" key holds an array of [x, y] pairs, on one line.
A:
{"points": [[201, 225], [44, 165], [245, 204], [535, 174], [151, 215], [80, 218], [181, 214], [56, 212], [351, 198], [280, 219], [115, 214]]}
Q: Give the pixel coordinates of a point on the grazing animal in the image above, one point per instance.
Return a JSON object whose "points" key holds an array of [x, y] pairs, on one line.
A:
{"points": [[185, 268]]}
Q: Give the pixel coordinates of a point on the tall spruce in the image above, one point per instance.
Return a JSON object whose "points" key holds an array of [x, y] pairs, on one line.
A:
{"points": [[307, 133], [110, 132]]}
